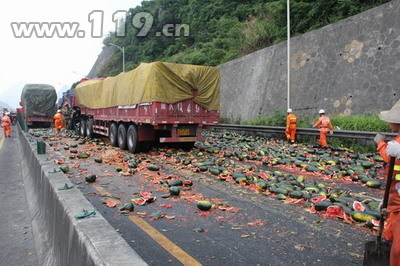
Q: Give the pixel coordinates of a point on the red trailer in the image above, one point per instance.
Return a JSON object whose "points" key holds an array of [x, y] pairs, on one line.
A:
{"points": [[127, 126]]}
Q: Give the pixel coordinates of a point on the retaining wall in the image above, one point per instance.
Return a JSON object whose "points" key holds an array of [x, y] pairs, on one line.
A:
{"points": [[60, 238], [349, 67]]}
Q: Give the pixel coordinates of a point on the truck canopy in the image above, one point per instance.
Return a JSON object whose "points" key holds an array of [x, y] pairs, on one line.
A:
{"points": [[39, 100], [153, 82]]}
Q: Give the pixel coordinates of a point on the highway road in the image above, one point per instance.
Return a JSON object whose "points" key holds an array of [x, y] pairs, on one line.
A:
{"points": [[16, 239], [245, 228]]}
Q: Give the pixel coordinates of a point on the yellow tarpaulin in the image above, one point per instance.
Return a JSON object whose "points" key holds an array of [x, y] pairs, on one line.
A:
{"points": [[153, 82]]}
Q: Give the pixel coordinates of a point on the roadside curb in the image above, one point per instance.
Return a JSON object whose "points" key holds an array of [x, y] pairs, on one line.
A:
{"points": [[60, 238]]}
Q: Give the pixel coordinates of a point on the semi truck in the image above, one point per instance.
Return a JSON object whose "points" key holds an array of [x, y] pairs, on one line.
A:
{"points": [[38, 103], [156, 102]]}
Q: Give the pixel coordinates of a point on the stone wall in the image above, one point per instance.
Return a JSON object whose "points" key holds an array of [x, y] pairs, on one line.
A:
{"points": [[350, 67]]}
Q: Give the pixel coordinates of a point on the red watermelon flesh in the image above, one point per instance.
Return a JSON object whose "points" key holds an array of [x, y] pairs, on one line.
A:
{"points": [[334, 211], [357, 206]]}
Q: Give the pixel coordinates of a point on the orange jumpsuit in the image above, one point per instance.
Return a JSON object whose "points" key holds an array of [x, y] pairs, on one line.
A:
{"points": [[58, 121], [6, 124], [291, 124], [392, 226], [324, 124]]}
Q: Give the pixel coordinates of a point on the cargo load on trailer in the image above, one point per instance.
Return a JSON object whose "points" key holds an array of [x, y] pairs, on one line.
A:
{"points": [[158, 101], [39, 103], [153, 82]]}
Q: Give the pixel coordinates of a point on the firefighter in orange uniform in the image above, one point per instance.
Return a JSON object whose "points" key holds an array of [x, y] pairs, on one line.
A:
{"points": [[325, 127], [392, 149], [58, 121], [6, 124], [291, 124]]}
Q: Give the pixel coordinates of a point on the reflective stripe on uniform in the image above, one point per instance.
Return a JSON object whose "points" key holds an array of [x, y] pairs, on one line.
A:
{"points": [[397, 167], [397, 177]]}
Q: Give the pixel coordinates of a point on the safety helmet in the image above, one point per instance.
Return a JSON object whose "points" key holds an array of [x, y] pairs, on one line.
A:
{"points": [[322, 111], [393, 115], [58, 111], [289, 110]]}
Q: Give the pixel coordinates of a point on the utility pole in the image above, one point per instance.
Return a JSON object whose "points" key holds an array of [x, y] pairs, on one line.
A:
{"points": [[122, 49], [288, 54]]}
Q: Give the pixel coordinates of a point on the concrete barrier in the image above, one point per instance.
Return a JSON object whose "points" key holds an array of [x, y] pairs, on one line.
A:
{"points": [[60, 238]]}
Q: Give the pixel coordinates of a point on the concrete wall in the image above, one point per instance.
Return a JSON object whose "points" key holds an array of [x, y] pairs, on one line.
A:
{"points": [[350, 67], [60, 238]]}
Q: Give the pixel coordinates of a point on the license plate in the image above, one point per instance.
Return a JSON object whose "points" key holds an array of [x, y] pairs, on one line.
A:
{"points": [[183, 132]]}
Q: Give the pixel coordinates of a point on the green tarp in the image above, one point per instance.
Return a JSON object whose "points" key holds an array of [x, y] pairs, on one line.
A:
{"points": [[39, 100]]}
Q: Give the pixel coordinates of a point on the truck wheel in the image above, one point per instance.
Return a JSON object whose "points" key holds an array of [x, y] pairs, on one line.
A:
{"points": [[132, 138], [89, 128], [77, 128], [70, 125], [122, 136], [113, 135], [82, 129]]}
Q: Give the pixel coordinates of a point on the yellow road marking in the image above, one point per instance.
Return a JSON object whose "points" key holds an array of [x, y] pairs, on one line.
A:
{"points": [[162, 240]]}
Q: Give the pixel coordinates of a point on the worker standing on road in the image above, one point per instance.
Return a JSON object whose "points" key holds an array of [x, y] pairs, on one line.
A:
{"points": [[291, 125], [325, 127], [392, 149], [58, 121], [6, 124]]}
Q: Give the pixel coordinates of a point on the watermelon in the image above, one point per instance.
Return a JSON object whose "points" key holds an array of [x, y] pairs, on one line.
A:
{"points": [[372, 223], [153, 167], [373, 183], [214, 171], [281, 197], [373, 205], [90, 178], [132, 164], [64, 169], [204, 205], [175, 183], [312, 169], [358, 206], [335, 211], [128, 207], [367, 165], [82, 155], [296, 194], [301, 178], [362, 217], [322, 205], [174, 190], [261, 184]]}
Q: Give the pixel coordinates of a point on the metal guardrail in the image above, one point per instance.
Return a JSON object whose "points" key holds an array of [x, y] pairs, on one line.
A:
{"points": [[257, 130]]}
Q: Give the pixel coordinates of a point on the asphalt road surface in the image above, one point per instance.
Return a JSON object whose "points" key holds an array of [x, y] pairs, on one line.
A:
{"points": [[16, 239], [246, 227]]}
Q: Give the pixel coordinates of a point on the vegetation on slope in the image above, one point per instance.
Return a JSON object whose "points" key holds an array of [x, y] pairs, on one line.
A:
{"points": [[221, 30]]}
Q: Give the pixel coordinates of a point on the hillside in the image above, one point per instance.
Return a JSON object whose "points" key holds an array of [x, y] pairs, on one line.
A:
{"points": [[220, 30]]}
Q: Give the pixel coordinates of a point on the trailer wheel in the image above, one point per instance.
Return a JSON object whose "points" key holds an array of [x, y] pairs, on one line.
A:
{"points": [[122, 136], [82, 129], [77, 128], [70, 125], [89, 128], [132, 138], [113, 135]]}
